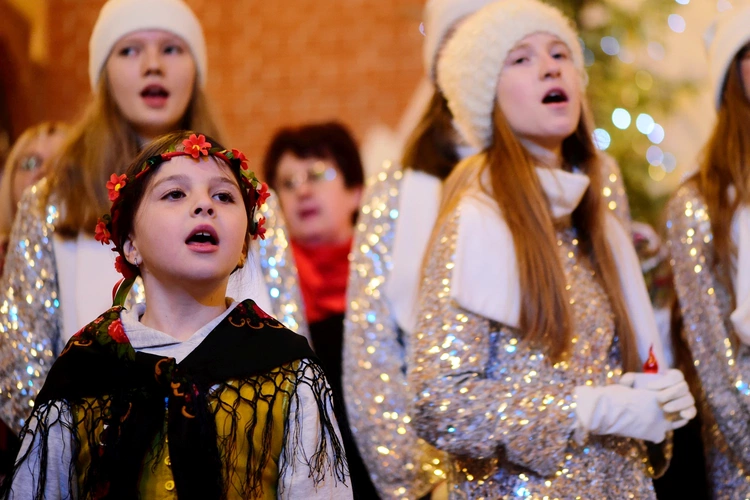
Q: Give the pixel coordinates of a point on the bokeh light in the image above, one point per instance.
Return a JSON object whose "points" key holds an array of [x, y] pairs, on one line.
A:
{"points": [[657, 135], [602, 139], [645, 124], [621, 118]]}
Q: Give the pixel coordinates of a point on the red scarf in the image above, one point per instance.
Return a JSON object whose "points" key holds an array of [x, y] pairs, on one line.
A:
{"points": [[323, 273]]}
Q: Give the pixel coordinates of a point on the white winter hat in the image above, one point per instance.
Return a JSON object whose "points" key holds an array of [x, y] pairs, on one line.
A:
{"points": [[121, 17], [470, 64], [724, 38], [438, 17]]}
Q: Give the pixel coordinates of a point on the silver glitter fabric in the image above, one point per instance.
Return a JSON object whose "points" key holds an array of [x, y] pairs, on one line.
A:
{"points": [[501, 408], [279, 270], [722, 367], [30, 314], [375, 391]]}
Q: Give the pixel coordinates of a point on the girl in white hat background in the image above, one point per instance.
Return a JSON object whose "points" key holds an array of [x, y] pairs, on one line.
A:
{"points": [[148, 68], [393, 229], [708, 232], [533, 317]]}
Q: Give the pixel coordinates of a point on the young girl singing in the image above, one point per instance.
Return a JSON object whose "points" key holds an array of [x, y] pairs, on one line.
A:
{"points": [[708, 232], [533, 314], [393, 230], [192, 394], [148, 68]]}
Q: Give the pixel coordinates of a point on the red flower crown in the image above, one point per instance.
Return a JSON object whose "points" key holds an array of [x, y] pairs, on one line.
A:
{"points": [[196, 147]]}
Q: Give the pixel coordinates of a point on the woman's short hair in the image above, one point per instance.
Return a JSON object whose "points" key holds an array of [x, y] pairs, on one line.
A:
{"points": [[329, 141]]}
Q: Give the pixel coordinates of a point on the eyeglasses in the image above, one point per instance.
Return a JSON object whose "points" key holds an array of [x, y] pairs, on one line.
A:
{"points": [[317, 174], [30, 163]]}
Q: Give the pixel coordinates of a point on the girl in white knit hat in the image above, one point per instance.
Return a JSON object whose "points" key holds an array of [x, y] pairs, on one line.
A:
{"points": [[533, 317], [401, 204], [147, 67], [708, 232]]}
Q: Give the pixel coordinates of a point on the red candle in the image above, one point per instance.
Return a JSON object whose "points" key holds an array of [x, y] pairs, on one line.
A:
{"points": [[651, 365]]}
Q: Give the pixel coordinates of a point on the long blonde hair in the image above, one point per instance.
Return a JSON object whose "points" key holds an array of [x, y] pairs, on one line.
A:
{"points": [[545, 312], [103, 142], [726, 163], [7, 208]]}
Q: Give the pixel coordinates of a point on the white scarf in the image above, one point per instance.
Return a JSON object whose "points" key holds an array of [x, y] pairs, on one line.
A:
{"points": [[485, 277], [418, 204]]}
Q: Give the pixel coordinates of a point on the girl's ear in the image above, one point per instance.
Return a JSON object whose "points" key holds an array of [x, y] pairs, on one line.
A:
{"points": [[243, 255], [131, 252]]}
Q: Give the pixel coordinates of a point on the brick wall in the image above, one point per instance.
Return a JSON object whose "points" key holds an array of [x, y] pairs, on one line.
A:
{"points": [[272, 63]]}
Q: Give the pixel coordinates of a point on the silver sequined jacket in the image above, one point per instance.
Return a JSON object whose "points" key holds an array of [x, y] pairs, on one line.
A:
{"points": [[723, 370], [502, 409], [30, 314], [374, 362]]}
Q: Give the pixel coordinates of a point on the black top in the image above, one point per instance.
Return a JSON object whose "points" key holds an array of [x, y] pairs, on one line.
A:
{"points": [[328, 341]]}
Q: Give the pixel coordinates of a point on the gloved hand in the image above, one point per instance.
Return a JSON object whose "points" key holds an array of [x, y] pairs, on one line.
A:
{"points": [[672, 391], [621, 411]]}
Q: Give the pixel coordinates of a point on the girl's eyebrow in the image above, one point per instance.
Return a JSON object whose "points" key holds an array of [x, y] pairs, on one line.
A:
{"points": [[182, 178], [174, 177]]}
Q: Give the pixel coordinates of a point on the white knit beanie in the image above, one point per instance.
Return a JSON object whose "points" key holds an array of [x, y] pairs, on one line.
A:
{"points": [[470, 63], [438, 18], [121, 17], [726, 36]]}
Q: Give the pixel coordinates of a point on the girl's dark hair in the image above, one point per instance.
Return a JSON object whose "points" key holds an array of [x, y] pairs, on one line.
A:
{"points": [[431, 147], [330, 141], [132, 196]]}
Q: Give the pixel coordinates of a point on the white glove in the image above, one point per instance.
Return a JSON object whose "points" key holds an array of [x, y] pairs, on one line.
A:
{"points": [[621, 411], [672, 392]]}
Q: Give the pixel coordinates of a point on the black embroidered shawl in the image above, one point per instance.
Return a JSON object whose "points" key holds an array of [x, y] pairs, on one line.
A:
{"points": [[99, 369]]}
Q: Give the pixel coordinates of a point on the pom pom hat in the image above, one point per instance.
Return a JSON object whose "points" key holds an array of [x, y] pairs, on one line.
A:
{"points": [[121, 17], [728, 34], [470, 64], [439, 17]]}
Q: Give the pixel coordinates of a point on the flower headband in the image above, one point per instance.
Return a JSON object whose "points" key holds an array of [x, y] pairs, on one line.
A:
{"points": [[196, 147]]}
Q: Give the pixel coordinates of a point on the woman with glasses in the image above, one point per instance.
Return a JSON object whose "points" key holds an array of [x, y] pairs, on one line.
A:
{"points": [[317, 174]]}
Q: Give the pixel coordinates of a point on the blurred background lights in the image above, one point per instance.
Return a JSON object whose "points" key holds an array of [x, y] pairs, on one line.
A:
{"points": [[657, 134], [621, 118], [676, 23], [645, 124], [589, 57], [610, 45], [655, 156], [602, 139], [669, 162], [626, 56], [656, 173], [655, 51], [682, 2], [723, 5], [644, 80]]}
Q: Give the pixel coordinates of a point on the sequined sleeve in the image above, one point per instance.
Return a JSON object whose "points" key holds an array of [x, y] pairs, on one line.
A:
{"points": [[279, 269], [480, 392], [29, 308], [376, 394], [723, 373], [613, 190]]}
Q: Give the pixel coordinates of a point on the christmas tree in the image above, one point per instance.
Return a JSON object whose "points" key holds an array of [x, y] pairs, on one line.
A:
{"points": [[622, 40]]}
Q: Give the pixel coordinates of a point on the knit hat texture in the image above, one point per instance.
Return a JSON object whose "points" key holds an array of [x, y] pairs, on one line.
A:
{"points": [[724, 38], [470, 64], [121, 17], [438, 18]]}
